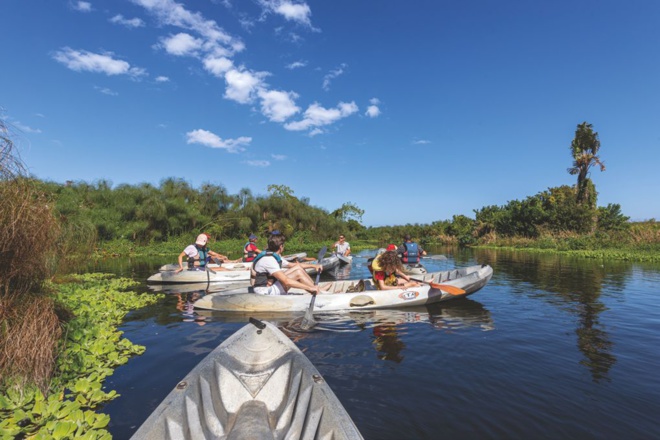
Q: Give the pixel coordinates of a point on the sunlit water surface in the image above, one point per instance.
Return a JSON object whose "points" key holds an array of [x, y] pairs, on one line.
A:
{"points": [[551, 348]]}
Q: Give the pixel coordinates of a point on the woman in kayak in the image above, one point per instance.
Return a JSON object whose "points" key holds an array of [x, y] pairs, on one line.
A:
{"points": [[388, 272], [198, 254]]}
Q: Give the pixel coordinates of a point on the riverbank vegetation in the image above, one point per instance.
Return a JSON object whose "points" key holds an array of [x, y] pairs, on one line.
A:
{"points": [[57, 342]]}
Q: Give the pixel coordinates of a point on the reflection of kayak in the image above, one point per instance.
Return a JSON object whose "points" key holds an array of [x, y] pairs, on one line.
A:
{"points": [[414, 269], [257, 384], [344, 259], [352, 295], [328, 263]]}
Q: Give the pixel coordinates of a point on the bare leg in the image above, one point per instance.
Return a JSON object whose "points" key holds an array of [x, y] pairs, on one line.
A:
{"points": [[298, 273]]}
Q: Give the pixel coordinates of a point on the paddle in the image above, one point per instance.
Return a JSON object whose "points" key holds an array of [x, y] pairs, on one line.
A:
{"points": [[436, 257], [308, 320], [452, 290], [208, 277]]}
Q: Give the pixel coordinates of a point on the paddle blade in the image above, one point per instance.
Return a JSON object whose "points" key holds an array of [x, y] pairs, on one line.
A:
{"points": [[308, 321], [452, 290]]}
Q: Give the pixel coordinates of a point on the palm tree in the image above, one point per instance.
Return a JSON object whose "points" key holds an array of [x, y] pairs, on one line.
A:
{"points": [[585, 148]]}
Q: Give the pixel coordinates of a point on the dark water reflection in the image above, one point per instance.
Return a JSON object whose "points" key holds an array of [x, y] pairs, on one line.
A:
{"points": [[552, 347]]}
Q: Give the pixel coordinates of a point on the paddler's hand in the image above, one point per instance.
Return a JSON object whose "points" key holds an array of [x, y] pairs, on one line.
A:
{"points": [[319, 268], [178, 270]]}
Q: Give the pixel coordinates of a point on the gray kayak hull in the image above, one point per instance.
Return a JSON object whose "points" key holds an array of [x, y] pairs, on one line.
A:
{"points": [[327, 263], [255, 385]]}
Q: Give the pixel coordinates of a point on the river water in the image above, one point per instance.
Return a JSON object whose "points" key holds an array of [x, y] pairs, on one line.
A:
{"points": [[553, 347]]}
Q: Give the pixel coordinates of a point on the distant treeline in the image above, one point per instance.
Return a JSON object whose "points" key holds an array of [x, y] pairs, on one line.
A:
{"points": [[146, 213]]}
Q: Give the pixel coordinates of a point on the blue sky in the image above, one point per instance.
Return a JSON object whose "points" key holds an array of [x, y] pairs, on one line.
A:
{"points": [[414, 111]]}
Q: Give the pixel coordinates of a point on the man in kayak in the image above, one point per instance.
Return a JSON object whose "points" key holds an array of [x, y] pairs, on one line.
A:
{"points": [[271, 275], [388, 271], [410, 251], [342, 247], [198, 254]]}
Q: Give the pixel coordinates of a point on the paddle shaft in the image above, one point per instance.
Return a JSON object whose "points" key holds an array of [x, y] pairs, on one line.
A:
{"points": [[309, 316]]}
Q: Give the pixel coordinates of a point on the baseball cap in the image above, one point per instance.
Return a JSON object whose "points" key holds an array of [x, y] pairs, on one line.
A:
{"points": [[391, 247], [202, 239], [252, 237]]}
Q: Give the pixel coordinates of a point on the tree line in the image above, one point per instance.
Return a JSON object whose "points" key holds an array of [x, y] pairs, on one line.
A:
{"points": [[147, 213]]}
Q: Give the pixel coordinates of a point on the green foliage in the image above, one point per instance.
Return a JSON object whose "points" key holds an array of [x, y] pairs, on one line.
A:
{"points": [[584, 149], [93, 347], [610, 218], [461, 227], [144, 214]]}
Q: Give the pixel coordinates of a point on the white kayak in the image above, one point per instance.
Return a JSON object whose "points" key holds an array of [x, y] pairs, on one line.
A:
{"points": [[344, 259], [232, 273], [355, 294], [255, 385], [293, 257], [329, 262], [414, 269], [228, 273]]}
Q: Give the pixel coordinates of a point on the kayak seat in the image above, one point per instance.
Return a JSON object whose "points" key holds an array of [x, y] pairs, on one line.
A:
{"points": [[251, 422]]}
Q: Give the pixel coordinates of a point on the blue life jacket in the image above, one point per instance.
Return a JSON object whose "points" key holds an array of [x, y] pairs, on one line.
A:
{"points": [[411, 255], [202, 254], [261, 278]]}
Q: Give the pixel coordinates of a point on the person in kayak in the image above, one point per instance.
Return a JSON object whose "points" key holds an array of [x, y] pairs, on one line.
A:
{"points": [[342, 247], [388, 271], [250, 250], [271, 275], [198, 255], [410, 251]]}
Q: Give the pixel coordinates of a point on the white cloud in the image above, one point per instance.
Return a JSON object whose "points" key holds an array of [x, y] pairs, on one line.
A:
{"points": [[106, 91], [84, 61], [169, 12], [162, 78], [82, 6], [218, 66], [298, 12], [332, 75], [372, 111], [278, 156], [296, 65], [258, 163], [317, 116], [25, 128], [243, 84], [278, 106], [182, 44], [128, 22], [209, 139], [421, 142]]}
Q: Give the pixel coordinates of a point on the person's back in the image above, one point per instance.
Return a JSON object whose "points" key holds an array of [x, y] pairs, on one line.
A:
{"points": [[264, 266], [271, 275], [250, 250], [410, 251]]}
